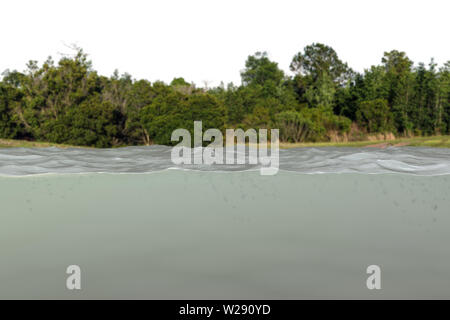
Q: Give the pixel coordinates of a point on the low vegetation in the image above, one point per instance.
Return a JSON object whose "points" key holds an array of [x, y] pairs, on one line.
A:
{"points": [[13, 143], [435, 141]]}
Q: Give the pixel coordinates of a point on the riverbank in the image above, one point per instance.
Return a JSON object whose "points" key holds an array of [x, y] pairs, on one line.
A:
{"points": [[11, 143], [432, 141]]}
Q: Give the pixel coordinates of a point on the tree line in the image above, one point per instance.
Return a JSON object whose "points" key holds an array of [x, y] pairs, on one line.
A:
{"points": [[69, 102]]}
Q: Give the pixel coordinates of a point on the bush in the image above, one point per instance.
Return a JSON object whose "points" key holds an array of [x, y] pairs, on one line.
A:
{"points": [[310, 124], [375, 115], [176, 110]]}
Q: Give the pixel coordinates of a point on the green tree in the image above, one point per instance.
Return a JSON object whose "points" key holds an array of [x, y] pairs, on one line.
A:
{"points": [[443, 100], [140, 95], [398, 80], [259, 70], [173, 110], [319, 60], [9, 98], [319, 74], [375, 115]]}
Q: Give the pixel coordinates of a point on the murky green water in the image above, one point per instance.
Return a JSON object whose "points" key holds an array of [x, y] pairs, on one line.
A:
{"points": [[179, 234]]}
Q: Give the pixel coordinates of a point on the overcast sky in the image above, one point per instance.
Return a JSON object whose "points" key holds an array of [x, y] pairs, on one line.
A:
{"points": [[209, 40]]}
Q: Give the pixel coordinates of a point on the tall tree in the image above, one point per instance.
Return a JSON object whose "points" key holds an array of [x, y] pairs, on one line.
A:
{"points": [[399, 84], [319, 73], [318, 60], [259, 70]]}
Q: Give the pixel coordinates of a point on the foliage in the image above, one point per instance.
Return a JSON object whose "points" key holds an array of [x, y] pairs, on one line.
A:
{"points": [[310, 125], [375, 116], [69, 103]]}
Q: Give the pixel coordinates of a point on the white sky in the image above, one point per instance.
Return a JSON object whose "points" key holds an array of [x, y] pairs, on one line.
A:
{"points": [[209, 40]]}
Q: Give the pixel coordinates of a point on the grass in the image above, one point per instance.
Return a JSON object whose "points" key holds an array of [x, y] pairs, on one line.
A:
{"points": [[433, 141], [10, 143]]}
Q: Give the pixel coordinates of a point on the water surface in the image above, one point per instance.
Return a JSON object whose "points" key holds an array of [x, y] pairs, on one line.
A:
{"points": [[174, 234]]}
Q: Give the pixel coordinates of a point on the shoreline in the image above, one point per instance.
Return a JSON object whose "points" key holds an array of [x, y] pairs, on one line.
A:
{"points": [[431, 141]]}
